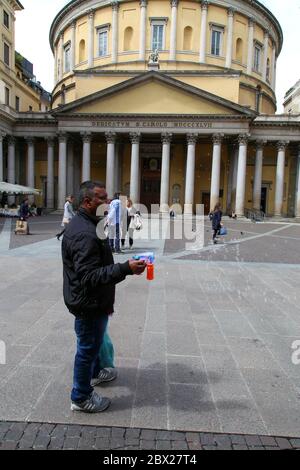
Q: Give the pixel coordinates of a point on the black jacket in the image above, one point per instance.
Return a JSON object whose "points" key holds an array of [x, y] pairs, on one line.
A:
{"points": [[90, 274], [216, 220]]}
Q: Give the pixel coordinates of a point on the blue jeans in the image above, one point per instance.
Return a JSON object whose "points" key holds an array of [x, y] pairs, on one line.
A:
{"points": [[114, 237], [90, 334]]}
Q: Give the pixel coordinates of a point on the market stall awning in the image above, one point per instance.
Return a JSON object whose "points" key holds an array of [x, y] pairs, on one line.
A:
{"points": [[10, 189]]}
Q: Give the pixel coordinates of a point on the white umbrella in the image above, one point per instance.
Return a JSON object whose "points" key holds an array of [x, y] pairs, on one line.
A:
{"points": [[10, 189]]}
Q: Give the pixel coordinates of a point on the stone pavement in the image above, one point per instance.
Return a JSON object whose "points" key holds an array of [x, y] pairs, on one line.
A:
{"points": [[206, 348]]}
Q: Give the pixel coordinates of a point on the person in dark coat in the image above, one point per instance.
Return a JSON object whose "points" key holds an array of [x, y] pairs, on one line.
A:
{"points": [[216, 217], [89, 282], [24, 210]]}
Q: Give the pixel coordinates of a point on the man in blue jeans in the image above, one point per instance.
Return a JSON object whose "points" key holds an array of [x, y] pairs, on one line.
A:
{"points": [[90, 277]]}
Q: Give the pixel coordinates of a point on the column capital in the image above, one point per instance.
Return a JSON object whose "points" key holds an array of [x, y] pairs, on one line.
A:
{"points": [[251, 22], [266, 34], [2, 136], [166, 137], [30, 140], [243, 139], [143, 3], [73, 24], [259, 144], [12, 140], [111, 137], [282, 145], [217, 139], [86, 137], [204, 5], [50, 141], [91, 14], [115, 5], [62, 138], [192, 139], [174, 3], [135, 137], [231, 11]]}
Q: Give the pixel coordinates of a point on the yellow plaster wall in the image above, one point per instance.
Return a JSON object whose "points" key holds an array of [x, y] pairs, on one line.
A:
{"points": [[129, 17], [225, 87], [153, 97], [177, 171], [188, 15]]}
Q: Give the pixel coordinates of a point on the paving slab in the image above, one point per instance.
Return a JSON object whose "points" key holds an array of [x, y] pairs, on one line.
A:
{"points": [[206, 347]]}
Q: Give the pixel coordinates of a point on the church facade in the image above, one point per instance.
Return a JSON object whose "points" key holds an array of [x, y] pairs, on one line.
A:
{"points": [[169, 102]]}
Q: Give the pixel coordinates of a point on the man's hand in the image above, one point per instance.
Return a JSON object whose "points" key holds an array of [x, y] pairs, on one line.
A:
{"points": [[137, 267]]}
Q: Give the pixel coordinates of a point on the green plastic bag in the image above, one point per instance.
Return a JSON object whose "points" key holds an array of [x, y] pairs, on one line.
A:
{"points": [[106, 353]]}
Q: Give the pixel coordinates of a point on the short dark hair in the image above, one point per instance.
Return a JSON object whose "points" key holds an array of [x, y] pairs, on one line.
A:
{"points": [[87, 189]]}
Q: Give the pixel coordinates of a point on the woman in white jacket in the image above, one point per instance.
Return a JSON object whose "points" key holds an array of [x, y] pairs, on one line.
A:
{"points": [[68, 215], [131, 212]]}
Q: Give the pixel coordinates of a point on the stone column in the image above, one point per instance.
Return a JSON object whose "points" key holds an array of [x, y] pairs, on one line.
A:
{"points": [[11, 164], [30, 161], [258, 175], [115, 26], [250, 46], [2, 135], [143, 28], [86, 157], [11, 161], [50, 173], [91, 39], [281, 148], [73, 46], [70, 168], [204, 9], [216, 171], [117, 169], [273, 78], [190, 173], [165, 172], [173, 38], [61, 57], [229, 38], [241, 176], [298, 185], [265, 59], [135, 167], [110, 162], [62, 170]]}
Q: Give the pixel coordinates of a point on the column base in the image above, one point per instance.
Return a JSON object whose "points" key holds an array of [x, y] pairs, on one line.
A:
{"points": [[188, 209], [164, 209]]}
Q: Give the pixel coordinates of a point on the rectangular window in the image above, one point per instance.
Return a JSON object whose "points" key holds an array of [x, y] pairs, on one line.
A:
{"points": [[6, 54], [158, 31], [103, 42], [7, 97], [67, 59], [216, 40], [17, 103], [257, 58], [6, 19]]}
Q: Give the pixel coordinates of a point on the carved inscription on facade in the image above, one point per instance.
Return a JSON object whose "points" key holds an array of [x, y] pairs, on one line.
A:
{"points": [[153, 124]]}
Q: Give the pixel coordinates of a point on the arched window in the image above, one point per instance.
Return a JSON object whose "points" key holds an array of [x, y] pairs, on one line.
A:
{"points": [[268, 70], [82, 51], [239, 50], [187, 38], [128, 36]]}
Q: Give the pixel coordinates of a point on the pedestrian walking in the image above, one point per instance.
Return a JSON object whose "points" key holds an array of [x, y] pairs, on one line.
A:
{"points": [[114, 220], [131, 212], [90, 278], [216, 217], [68, 215]]}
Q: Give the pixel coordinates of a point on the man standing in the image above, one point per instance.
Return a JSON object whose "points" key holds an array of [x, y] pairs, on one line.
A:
{"points": [[90, 277]]}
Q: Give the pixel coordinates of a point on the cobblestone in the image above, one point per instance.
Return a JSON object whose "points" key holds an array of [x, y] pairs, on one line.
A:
{"points": [[37, 436]]}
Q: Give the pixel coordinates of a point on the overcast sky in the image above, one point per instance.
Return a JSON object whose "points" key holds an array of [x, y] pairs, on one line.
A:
{"points": [[33, 25]]}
